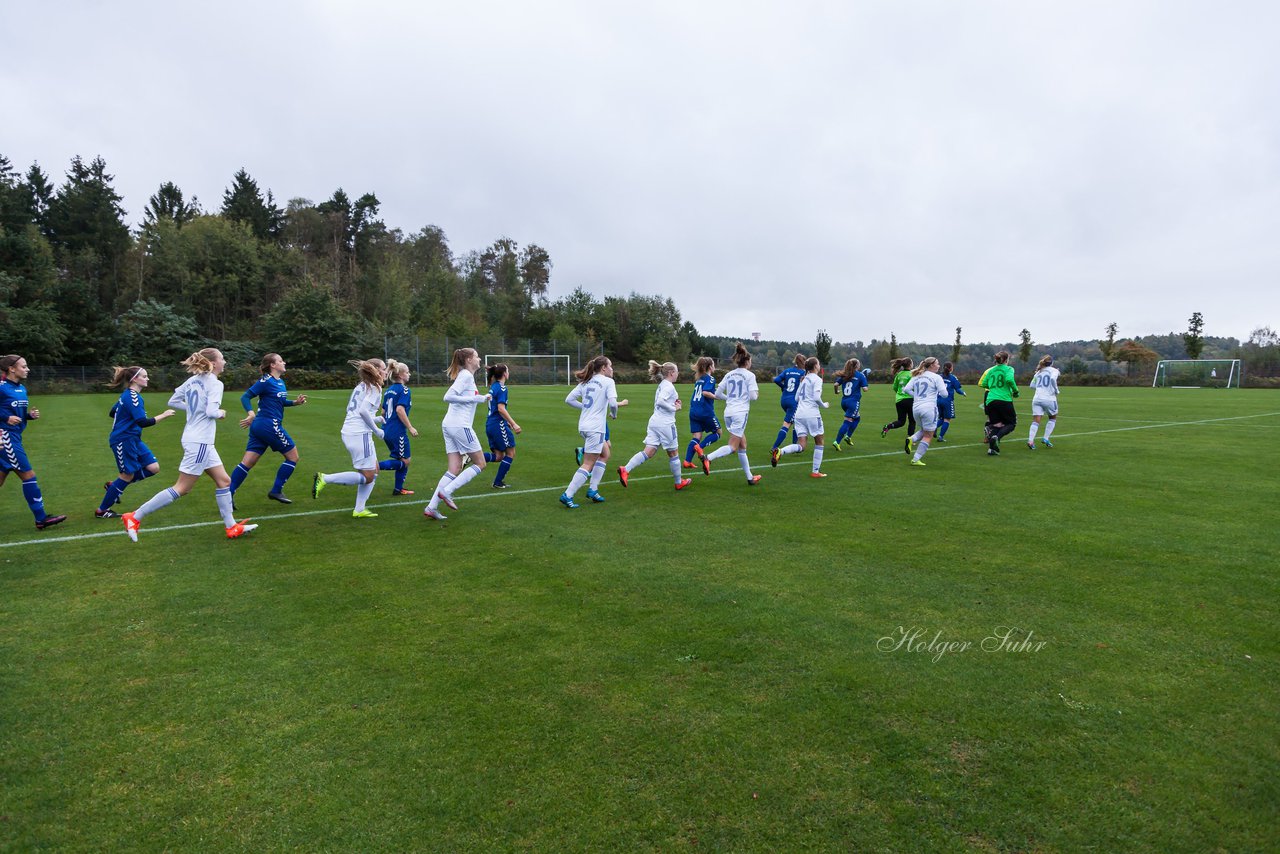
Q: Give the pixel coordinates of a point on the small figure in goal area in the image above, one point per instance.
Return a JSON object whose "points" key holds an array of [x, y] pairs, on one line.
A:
{"points": [[661, 430], [1045, 401], [499, 426], [459, 437], [1213, 373], [397, 402]]}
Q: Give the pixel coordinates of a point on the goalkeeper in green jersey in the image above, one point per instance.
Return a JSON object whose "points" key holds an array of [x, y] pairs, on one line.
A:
{"points": [[1001, 388]]}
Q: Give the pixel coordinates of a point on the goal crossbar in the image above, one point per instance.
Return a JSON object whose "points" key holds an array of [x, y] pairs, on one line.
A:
{"points": [[527, 360]]}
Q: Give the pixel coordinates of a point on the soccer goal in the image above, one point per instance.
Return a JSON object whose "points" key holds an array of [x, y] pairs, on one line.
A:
{"points": [[1197, 373], [532, 369]]}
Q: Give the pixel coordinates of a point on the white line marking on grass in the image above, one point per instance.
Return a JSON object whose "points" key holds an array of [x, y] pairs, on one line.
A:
{"points": [[119, 532]]}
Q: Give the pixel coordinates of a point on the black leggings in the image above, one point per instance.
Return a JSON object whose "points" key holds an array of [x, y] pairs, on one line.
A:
{"points": [[1002, 412], [905, 416]]}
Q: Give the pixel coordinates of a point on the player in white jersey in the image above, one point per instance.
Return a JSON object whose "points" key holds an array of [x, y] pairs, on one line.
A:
{"points": [[808, 418], [1045, 402], [459, 433], [661, 432], [597, 398], [360, 424], [925, 387], [201, 398], [737, 390]]}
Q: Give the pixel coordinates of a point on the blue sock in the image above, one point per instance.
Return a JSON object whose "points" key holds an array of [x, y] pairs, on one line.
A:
{"points": [[782, 437], [143, 474], [853, 425], [238, 474], [401, 474], [503, 468], [708, 440], [840, 434], [688, 452], [114, 491], [488, 456], [282, 476], [391, 465], [31, 492], [942, 431]]}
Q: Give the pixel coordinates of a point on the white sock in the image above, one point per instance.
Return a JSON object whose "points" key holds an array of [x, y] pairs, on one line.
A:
{"points": [[921, 449], [636, 461], [223, 497], [1048, 428], [463, 478], [575, 483], [346, 478], [363, 491], [1034, 427], [722, 451], [597, 473], [817, 457], [746, 466], [789, 449], [163, 498], [445, 480], [917, 436], [674, 464]]}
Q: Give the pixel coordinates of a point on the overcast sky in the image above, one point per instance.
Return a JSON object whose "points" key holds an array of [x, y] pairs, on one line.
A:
{"points": [[864, 167]]}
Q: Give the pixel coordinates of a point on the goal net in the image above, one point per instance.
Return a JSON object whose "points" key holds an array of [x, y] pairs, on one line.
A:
{"points": [[1197, 373], [532, 369]]}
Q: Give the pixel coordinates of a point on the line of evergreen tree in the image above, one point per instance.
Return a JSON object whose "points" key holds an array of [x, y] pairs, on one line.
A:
{"points": [[319, 282]]}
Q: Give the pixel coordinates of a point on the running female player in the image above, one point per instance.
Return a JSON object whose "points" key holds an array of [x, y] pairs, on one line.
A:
{"points": [[499, 427], [201, 398], [704, 427], [397, 400], [661, 431], [807, 418], [129, 416], [358, 429], [925, 387], [15, 412], [738, 388], [459, 434], [849, 385], [266, 427]]}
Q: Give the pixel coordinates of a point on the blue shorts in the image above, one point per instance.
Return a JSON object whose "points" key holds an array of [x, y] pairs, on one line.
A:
{"points": [[500, 436], [397, 442], [267, 433], [851, 409], [12, 456], [132, 455], [947, 408], [789, 413], [704, 423]]}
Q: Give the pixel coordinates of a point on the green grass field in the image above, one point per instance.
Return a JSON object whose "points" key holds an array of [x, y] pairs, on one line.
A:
{"points": [[715, 669]]}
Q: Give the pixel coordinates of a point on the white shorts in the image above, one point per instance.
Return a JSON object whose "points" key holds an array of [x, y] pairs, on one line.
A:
{"points": [[460, 440], [661, 434], [736, 423], [1045, 406], [926, 417], [360, 447], [197, 458], [808, 425], [592, 443]]}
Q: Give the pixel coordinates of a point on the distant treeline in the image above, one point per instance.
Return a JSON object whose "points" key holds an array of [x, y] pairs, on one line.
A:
{"points": [[320, 282]]}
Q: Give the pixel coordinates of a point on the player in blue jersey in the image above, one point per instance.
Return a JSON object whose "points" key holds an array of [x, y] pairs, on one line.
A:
{"points": [[266, 426], [500, 428], [947, 403], [397, 401], [849, 385], [15, 412], [134, 459], [704, 427], [789, 381]]}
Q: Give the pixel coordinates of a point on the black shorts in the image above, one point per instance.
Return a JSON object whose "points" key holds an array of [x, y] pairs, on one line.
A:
{"points": [[1001, 412]]}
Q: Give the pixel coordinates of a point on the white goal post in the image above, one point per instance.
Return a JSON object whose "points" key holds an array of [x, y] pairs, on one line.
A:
{"points": [[1197, 373], [523, 366]]}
